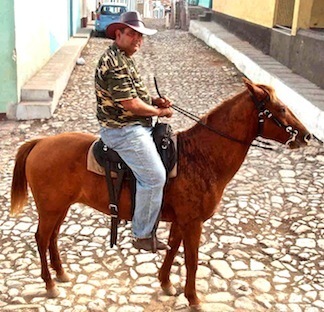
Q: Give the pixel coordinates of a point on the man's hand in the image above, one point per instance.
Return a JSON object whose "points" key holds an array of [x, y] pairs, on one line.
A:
{"points": [[162, 102], [165, 112]]}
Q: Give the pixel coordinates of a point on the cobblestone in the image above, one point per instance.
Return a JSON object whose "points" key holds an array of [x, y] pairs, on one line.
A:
{"points": [[262, 252]]}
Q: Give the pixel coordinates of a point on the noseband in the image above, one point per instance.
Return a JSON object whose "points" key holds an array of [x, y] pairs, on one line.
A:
{"points": [[264, 113]]}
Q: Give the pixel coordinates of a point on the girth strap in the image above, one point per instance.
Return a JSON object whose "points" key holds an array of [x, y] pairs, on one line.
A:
{"points": [[114, 194]]}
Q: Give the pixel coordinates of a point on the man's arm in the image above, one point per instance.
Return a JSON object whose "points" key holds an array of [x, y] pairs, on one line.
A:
{"points": [[140, 108]]}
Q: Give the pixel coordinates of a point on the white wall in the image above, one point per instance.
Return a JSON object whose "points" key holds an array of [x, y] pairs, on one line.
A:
{"points": [[91, 7], [58, 22], [32, 40], [148, 9], [41, 28], [131, 5]]}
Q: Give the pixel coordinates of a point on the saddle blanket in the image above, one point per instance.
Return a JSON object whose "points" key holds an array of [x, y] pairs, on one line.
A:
{"points": [[93, 166]]}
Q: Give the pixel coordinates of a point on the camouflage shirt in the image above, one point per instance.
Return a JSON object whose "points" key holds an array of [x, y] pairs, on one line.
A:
{"points": [[116, 80]]}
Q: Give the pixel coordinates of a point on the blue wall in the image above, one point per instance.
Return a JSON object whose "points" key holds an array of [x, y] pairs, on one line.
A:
{"points": [[76, 16]]}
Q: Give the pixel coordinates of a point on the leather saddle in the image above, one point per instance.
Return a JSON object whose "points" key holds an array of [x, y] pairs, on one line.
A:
{"points": [[115, 167]]}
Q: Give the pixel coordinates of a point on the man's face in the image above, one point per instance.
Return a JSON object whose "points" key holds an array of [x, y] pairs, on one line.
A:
{"points": [[129, 40]]}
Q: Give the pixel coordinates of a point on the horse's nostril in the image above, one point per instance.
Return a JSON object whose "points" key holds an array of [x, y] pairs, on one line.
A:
{"points": [[308, 137]]}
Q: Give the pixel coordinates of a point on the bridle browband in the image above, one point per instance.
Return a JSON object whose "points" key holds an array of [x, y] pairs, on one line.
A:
{"points": [[263, 113]]}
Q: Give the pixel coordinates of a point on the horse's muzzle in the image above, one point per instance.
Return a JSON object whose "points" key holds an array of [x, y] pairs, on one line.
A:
{"points": [[299, 140]]}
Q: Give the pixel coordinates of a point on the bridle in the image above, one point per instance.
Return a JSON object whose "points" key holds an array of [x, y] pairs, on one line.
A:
{"points": [[263, 113]]}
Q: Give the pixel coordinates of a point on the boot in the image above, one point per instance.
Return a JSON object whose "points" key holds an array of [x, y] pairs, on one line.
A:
{"points": [[147, 244]]}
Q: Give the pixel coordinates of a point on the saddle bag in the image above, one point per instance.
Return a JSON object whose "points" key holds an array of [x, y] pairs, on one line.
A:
{"points": [[162, 133]]}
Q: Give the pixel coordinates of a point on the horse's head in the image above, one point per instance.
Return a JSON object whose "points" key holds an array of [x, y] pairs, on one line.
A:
{"points": [[276, 121]]}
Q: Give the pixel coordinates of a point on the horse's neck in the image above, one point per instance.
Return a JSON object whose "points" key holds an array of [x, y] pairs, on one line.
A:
{"points": [[215, 155], [236, 117]]}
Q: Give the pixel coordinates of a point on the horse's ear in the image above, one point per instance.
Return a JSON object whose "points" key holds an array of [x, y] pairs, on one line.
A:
{"points": [[249, 84], [246, 81], [253, 89]]}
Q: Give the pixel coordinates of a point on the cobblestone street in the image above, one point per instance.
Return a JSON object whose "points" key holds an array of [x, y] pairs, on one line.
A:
{"points": [[263, 251]]}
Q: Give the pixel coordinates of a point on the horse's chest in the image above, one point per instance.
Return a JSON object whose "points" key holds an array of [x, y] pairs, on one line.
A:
{"points": [[193, 204]]}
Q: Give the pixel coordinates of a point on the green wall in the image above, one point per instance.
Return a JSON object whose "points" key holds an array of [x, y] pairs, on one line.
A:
{"points": [[205, 3], [8, 68]]}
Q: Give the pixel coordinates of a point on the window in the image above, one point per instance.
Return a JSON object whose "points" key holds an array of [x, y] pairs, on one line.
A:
{"points": [[112, 10]]}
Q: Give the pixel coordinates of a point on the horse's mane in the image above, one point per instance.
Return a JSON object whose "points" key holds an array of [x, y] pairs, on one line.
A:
{"points": [[227, 102], [225, 108], [270, 90], [223, 105]]}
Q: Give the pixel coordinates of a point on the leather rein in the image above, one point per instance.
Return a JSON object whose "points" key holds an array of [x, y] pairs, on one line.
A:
{"points": [[263, 113]]}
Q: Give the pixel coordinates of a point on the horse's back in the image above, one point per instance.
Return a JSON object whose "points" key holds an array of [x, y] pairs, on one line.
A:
{"points": [[59, 149], [68, 138]]}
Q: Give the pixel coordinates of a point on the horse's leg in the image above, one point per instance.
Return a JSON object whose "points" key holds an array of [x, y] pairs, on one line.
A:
{"points": [[191, 240], [45, 229], [175, 239], [56, 262]]}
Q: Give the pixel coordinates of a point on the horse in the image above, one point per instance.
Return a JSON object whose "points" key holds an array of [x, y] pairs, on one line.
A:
{"points": [[209, 155]]}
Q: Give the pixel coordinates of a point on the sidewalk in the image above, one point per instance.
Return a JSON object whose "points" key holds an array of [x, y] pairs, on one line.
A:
{"points": [[40, 95], [303, 97]]}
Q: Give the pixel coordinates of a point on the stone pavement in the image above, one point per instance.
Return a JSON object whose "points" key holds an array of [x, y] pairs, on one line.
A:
{"points": [[263, 251]]}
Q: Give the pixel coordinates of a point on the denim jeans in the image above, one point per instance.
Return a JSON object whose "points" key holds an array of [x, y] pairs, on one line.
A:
{"points": [[136, 147]]}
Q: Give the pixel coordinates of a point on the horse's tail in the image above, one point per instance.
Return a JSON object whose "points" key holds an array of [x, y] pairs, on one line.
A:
{"points": [[19, 193]]}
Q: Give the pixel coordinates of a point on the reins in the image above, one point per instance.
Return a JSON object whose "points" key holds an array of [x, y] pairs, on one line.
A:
{"points": [[198, 120]]}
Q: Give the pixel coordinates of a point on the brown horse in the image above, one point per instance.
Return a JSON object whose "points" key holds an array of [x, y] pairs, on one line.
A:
{"points": [[210, 153]]}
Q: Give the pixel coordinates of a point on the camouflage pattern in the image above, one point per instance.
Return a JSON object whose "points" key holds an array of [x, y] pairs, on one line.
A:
{"points": [[116, 80]]}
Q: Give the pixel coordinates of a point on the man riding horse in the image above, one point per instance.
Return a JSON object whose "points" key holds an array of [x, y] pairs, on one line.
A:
{"points": [[124, 110]]}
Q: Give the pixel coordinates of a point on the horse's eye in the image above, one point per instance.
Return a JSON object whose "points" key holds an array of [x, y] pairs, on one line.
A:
{"points": [[282, 109]]}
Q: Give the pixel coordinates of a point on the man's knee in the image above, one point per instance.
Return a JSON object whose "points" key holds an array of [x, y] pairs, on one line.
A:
{"points": [[158, 178]]}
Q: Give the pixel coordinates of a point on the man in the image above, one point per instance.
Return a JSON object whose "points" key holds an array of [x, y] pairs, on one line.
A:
{"points": [[124, 110]]}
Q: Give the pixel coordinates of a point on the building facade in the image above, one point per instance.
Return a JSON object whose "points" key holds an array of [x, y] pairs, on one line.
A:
{"points": [[32, 31], [291, 31]]}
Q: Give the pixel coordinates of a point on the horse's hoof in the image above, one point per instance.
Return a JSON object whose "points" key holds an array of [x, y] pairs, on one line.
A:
{"points": [[169, 290], [196, 308], [53, 292], [64, 278]]}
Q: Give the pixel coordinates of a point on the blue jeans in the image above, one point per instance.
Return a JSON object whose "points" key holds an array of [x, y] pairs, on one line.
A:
{"points": [[136, 147]]}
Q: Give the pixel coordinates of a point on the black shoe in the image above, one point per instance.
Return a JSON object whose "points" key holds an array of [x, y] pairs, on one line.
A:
{"points": [[147, 244]]}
